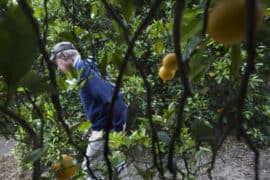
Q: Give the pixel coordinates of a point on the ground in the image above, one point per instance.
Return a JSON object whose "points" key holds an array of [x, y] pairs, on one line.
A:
{"points": [[234, 162]]}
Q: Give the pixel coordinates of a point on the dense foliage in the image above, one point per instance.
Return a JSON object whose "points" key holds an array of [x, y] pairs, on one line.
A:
{"points": [[42, 111]]}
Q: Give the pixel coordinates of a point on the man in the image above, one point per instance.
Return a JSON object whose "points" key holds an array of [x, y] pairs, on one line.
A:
{"points": [[95, 94]]}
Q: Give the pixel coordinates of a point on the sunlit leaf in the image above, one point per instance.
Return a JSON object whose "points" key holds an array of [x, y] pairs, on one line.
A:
{"points": [[85, 125], [82, 126], [79, 31], [118, 30], [159, 46], [62, 83]]}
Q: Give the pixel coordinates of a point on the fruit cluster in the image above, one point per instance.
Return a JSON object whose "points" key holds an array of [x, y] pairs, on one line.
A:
{"points": [[65, 168], [168, 68]]}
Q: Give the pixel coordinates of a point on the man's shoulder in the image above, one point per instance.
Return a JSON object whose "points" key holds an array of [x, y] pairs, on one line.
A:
{"points": [[91, 60], [78, 64]]}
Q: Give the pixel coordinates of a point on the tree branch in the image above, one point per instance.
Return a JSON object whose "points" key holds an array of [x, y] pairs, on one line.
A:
{"points": [[117, 19], [143, 24], [251, 50], [21, 121], [205, 17], [148, 90], [177, 48]]}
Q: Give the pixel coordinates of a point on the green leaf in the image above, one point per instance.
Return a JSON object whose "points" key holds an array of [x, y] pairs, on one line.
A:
{"points": [[36, 154], [94, 9], [159, 47], [29, 3], [116, 59], [67, 36], [72, 73], [62, 83], [18, 45], [198, 67], [87, 37], [79, 31], [235, 59], [145, 174], [116, 27], [82, 126], [204, 90], [197, 64], [143, 119], [205, 149], [118, 30], [128, 8], [85, 125], [198, 154], [190, 14], [190, 47], [190, 30]]}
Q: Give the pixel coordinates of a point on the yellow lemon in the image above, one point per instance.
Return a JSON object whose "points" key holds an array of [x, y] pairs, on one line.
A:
{"points": [[65, 168], [227, 21], [169, 61], [217, 53], [212, 74], [166, 74]]}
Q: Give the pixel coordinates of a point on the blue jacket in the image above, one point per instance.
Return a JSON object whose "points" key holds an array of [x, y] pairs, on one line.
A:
{"points": [[96, 94]]}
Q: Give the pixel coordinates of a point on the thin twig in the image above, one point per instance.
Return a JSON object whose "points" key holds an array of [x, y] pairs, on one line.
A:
{"points": [[46, 24], [40, 115], [177, 48], [215, 152], [148, 90], [251, 50], [250, 42], [21, 121], [205, 17], [117, 18]]}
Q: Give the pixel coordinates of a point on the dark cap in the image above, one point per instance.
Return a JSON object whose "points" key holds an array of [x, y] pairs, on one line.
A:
{"points": [[59, 47]]}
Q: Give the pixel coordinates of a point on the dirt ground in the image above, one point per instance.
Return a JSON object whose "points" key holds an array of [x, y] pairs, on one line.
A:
{"points": [[8, 164], [234, 162]]}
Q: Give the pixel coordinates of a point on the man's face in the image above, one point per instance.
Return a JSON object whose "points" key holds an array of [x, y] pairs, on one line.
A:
{"points": [[64, 63]]}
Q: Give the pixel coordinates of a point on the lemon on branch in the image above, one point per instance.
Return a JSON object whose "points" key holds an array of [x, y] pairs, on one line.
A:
{"points": [[65, 168], [169, 61], [166, 74], [227, 21]]}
